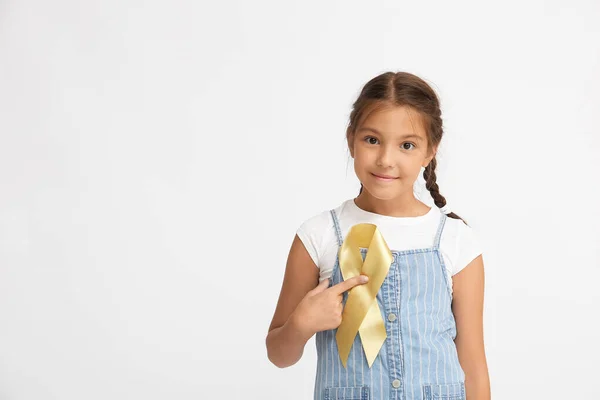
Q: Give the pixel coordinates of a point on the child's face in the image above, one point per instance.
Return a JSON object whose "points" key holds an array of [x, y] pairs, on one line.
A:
{"points": [[381, 146]]}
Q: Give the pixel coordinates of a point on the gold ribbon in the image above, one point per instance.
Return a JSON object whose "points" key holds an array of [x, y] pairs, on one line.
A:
{"points": [[361, 312]]}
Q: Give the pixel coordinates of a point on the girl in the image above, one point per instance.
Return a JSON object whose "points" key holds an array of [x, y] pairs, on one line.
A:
{"points": [[431, 300]]}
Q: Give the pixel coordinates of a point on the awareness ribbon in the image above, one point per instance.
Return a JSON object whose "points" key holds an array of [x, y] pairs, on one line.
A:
{"points": [[361, 313]]}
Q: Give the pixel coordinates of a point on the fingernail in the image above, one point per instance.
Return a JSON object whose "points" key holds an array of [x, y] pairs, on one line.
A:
{"points": [[364, 278]]}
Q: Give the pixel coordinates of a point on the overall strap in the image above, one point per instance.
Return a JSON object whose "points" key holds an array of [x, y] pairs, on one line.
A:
{"points": [[336, 223], [438, 235]]}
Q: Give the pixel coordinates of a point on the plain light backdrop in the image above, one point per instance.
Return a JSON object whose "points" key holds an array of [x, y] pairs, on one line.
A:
{"points": [[156, 159]]}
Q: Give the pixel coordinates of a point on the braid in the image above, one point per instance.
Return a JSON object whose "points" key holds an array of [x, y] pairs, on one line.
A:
{"points": [[434, 189]]}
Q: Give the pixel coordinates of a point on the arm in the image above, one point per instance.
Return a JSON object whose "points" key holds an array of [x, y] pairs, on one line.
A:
{"points": [[285, 339], [467, 306]]}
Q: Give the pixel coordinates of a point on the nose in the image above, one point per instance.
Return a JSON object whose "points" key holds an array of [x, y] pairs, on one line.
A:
{"points": [[385, 156]]}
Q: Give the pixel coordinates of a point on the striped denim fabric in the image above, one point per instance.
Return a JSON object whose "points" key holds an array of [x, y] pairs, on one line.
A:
{"points": [[418, 359]]}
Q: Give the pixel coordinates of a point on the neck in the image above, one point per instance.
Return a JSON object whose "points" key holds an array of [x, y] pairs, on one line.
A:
{"points": [[401, 206]]}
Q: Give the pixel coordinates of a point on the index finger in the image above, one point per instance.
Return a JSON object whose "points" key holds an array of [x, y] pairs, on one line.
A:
{"points": [[349, 283]]}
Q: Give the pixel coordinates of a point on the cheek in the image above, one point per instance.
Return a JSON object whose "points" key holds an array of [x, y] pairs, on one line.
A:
{"points": [[364, 156], [363, 164], [359, 165]]}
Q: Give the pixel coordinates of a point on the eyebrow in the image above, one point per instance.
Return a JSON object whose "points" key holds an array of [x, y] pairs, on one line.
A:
{"points": [[407, 136]]}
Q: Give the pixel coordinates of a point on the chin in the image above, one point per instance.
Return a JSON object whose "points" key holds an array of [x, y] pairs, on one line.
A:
{"points": [[382, 194]]}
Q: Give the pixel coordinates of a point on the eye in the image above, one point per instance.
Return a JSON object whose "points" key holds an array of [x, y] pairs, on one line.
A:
{"points": [[405, 143], [367, 138]]}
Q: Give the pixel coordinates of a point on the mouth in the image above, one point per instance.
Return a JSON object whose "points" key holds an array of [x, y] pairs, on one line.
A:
{"points": [[384, 178]]}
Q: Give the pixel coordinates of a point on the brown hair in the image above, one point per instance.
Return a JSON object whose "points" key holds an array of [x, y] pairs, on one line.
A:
{"points": [[404, 89]]}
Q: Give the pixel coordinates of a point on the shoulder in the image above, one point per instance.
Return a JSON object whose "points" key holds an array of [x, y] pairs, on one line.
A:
{"points": [[316, 222], [317, 232], [323, 219], [462, 244]]}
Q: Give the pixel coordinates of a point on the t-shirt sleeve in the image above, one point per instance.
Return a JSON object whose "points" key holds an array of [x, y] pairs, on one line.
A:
{"points": [[468, 247], [307, 234]]}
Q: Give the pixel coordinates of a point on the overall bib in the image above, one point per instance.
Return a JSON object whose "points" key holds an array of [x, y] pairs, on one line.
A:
{"points": [[418, 360]]}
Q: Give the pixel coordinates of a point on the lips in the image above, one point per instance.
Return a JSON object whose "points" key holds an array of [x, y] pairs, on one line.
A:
{"points": [[384, 176]]}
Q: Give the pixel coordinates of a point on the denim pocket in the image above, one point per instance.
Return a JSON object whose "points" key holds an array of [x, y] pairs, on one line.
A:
{"points": [[447, 391], [347, 393]]}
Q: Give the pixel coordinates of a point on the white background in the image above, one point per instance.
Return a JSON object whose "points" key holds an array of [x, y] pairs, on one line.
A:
{"points": [[156, 159]]}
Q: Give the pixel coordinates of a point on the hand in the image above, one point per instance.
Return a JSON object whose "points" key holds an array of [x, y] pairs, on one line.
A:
{"points": [[322, 307]]}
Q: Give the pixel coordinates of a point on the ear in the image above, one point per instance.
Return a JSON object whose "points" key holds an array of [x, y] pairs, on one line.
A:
{"points": [[350, 140], [427, 160]]}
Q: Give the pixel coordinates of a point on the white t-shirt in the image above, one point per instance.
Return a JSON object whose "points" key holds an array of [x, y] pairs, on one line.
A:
{"points": [[459, 244]]}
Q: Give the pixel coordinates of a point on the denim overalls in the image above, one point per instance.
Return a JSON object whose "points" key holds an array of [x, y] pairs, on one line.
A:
{"points": [[418, 360]]}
